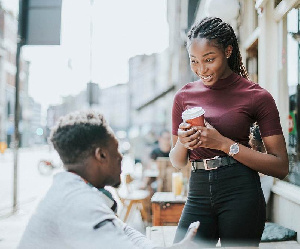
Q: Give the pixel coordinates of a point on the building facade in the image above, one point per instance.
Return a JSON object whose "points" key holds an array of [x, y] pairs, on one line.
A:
{"points": [[268, 33], [269, 49], [69, 104], [149, 100], [112, 102], [8, 47], [31, 127]]}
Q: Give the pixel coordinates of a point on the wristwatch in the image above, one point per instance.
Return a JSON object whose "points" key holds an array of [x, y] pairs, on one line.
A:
{"points": [[234, 149]]}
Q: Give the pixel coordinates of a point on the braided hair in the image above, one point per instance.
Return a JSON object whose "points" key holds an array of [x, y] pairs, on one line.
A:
{"points": [[213, 28], [255, 139]]}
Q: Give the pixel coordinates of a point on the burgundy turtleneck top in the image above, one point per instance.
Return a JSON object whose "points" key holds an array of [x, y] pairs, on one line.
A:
{"points": [[231, 105]]}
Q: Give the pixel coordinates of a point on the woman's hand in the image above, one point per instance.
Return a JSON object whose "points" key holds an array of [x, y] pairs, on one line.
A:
{"points": [[188, 136], [210, 138]]}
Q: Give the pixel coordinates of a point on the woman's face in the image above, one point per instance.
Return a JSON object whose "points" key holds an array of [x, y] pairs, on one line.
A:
{"points": [[209, 61]]}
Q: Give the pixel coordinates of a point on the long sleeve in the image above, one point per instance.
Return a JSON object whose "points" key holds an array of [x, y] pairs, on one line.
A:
{"points": [[138, 239], [73, 215]]}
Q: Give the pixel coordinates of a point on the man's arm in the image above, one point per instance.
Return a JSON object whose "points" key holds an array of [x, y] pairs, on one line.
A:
{"points": [[138, 239]]}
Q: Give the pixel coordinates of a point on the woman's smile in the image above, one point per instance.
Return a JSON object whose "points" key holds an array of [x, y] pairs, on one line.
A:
{"points": [[206, 78]]}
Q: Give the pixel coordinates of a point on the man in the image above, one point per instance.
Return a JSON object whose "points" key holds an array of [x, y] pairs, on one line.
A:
{"points": [[162, 149], [77, 212], [164, 145]]}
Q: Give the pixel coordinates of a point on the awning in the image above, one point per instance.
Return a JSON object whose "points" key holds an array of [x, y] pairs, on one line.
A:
{"points": [[156, 98]]}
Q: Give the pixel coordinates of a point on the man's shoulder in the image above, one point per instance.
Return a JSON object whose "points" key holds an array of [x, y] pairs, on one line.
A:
{"points": [[69, 190]]}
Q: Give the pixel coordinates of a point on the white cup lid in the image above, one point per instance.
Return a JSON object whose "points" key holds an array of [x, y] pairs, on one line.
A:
{"points": [[192, 113]]}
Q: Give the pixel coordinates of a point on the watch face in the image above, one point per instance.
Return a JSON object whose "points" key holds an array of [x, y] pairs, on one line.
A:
{"points": [[234, 149]]}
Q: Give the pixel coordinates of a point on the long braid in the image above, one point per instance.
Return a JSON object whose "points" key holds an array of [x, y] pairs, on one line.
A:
{"points": [[213, 28]]}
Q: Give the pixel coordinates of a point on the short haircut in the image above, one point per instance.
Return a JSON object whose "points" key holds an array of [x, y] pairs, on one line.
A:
{"points": [[78, 134]]}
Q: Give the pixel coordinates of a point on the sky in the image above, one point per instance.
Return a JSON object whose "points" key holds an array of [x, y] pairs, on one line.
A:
{"points": [[121, 29]]}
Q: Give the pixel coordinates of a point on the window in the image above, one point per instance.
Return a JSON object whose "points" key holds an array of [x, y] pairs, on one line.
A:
{"points": [[293, 57]]}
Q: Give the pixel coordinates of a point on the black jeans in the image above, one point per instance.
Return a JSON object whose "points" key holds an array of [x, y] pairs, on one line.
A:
{"points": [[229, 204]]}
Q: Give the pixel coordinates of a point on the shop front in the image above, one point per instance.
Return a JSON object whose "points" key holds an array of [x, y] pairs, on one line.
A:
{"points": [[268, 33]]}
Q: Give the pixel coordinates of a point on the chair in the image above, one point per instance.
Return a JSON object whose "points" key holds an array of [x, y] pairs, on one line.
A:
{"points": [[132, 197], [165, 168]]}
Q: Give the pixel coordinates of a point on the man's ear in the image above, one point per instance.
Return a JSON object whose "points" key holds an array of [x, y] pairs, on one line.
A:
{"points": [[100, 154]]}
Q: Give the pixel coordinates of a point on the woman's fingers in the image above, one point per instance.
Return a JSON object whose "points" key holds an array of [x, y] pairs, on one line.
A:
{"points": [[199, 143], [190, 145], [184, 126], [200, 136], [188, 138], [186, 133], [208, 125], [192, 142]]}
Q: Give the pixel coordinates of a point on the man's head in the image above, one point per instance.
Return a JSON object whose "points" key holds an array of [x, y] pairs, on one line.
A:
{"points": [[87, 146], [164, 141]]}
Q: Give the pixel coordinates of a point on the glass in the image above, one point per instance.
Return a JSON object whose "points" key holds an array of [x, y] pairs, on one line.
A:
{"points": [[177, 183]]}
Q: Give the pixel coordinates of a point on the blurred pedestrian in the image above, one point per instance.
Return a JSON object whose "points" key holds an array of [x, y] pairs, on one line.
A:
{"points": [[164, 145], [224, 188], [161, 149], [77, 211]]}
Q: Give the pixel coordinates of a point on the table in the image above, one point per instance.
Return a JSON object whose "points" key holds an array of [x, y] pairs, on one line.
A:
{"points": [[164, 235], [166, 208]]}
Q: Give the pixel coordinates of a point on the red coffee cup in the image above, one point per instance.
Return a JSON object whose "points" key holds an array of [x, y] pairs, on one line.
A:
{"points": [[194, 116]]}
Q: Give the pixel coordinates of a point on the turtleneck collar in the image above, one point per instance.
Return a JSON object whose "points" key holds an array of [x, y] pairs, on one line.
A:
{"points": [[224, 83]]}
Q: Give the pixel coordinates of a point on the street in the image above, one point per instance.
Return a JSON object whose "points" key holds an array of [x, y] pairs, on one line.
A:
{"points": [[31, 184]]}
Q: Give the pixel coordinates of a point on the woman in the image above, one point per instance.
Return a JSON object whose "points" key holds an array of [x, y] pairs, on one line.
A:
{"points": [[224, 193]]}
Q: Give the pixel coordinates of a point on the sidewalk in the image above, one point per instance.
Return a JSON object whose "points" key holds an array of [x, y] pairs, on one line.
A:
{"points": [[164, 236], [13, 225], [12, 228]]}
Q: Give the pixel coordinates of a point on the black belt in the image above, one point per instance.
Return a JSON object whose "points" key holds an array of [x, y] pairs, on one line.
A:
{"points": [[213, 163]]}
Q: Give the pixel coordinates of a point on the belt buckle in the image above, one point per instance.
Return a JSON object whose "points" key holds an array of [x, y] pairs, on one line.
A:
{"points": [[206, 166], [194, 167]]}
